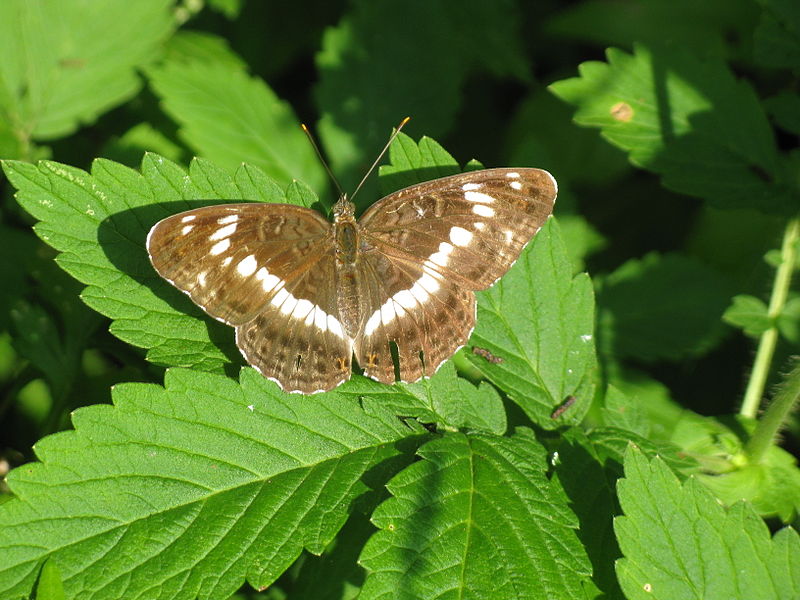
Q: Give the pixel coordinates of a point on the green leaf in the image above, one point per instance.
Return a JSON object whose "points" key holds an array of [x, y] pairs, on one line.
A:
{"points": [[445, 399], [539, 320], [789, 320], [140, 139], [587, 466], [190, 489], [487, 515], [678, 542], [688, 120], [784, 107], [662, 307], [232, 118], [776, 40], [772, 486], [371, 76], [49, 586], [624, 412], [58, 73], [699, 26], [99, 224], [749, 314]]}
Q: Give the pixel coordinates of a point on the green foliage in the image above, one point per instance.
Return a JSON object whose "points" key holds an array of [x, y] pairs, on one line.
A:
{"points": [[165, 467], [678, 542]]}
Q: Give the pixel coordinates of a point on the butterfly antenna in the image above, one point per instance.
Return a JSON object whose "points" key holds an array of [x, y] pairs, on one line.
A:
{"points": [[380, 156], [322, 160]]}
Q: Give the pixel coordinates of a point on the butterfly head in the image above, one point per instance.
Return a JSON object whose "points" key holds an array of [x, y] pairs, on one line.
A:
{"points": [[344, 210]]}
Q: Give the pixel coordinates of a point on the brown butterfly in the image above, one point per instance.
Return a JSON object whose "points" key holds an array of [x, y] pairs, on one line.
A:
{"points": [[305, 294]]}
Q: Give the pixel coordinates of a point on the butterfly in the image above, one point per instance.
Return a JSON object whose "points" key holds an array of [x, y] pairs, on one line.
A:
{"points": [[395, 287]]}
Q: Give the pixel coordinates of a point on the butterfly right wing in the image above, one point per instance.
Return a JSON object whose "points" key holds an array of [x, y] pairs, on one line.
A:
{"points": [[268, 270]]}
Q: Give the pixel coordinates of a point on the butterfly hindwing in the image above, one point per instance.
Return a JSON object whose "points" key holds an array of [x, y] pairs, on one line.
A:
{"points": [[426, 316]]}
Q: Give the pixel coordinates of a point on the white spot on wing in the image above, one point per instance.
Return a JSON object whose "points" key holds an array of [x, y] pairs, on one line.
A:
{"points": [[516, 185], [483, 211], [372, 322], [223, 232], [303, 309], [247, 266], [405, 299], [228, 220], [335, 327], [220, 247], [460, 236], [479, 226], [267, 279], [478, 197], [186, 229], [471, 186], [512, 175], [201, 279], [227, 260], [320, 319], [188, 218], [289, 304]]}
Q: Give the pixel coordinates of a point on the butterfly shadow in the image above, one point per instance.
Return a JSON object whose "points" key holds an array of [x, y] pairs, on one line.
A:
{"points": [[123, 236]]}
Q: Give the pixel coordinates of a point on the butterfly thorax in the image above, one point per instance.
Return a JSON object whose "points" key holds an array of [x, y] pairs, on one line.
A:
{"points": [[346, 238]]}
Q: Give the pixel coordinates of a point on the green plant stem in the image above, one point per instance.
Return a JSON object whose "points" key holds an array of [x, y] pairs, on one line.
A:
{"points": [[769, 339], [774, 417]]}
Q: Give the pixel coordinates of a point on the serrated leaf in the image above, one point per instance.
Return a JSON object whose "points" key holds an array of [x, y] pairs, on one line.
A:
{"points": [[185, 491], [688, 120], [371, 77], [749, 314], [99, 223], [678, 542], [444, 399], [57, 72], [232, 118], [539, 320], [488, 525], [662, 307]]}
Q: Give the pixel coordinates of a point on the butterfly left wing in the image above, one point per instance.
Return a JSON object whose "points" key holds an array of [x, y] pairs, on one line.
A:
{"points": [[426, 248], [268, 270]]}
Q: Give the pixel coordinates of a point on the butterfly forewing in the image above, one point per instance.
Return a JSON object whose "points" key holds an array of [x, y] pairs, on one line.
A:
{"points": [[398, 282], [231, 259]]}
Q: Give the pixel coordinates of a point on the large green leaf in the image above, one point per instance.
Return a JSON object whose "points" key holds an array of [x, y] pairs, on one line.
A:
{"points": [[189, 490]]}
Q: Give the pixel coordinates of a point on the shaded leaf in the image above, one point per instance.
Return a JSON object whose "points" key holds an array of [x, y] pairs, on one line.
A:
{"points": [[662, 307], [688, 120], [475, 517]]}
